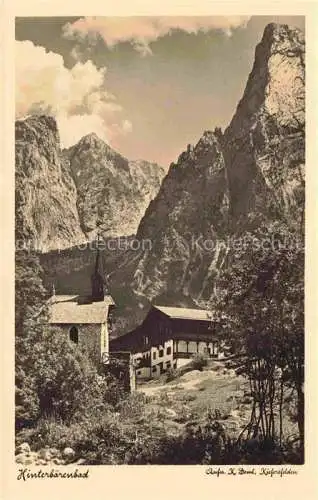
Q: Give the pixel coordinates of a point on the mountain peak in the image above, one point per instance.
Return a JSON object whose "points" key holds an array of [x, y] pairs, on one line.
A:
{"points": [[278, 32], [37, 128], [92, 139], [275, 85], [280, 39], [269, 117], [208, 138], [92, 142]]}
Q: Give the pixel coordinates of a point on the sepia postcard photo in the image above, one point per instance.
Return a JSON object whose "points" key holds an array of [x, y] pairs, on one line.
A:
{"points": [[160, 166]]}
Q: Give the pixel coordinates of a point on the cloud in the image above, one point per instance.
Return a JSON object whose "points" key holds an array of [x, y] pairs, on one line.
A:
{"points": [[127, 126], [77, 97], [141, 31]]}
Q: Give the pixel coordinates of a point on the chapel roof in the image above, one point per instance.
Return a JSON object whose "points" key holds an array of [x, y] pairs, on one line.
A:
{"points": [[70, 309]]}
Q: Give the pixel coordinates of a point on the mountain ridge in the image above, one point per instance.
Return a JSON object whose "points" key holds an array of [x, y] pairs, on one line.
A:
{"points": [[111, 199]]}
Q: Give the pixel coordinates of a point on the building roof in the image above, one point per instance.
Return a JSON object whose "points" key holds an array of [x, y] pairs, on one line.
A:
{"points": [[66, 309], [185, 313]]}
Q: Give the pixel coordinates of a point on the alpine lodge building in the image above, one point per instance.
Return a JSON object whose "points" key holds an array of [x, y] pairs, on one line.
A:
{"points": [[169, 337]]}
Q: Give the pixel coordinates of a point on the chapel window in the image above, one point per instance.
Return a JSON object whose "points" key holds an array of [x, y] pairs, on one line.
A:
{"points": [[74, 334]]}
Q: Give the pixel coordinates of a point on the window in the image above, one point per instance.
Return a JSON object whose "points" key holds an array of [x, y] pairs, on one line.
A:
{"points": [[160, 353], [110, 320], [154, 369], [137, 361], [168, 364], [154, 355], [169, 350], [139, 372], [74, 334]]}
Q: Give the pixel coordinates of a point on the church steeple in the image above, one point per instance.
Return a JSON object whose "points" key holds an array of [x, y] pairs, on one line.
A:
{"points": [[97, 279]]}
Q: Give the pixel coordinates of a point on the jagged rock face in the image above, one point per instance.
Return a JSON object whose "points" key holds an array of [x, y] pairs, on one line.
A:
{"points": [[60, 196], [264, 145], [113, 193], [183, 222], [46, 213], [232, 182]]}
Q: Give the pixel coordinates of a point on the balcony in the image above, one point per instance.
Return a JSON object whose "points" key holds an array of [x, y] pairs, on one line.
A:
{"points": [[189, 355]]}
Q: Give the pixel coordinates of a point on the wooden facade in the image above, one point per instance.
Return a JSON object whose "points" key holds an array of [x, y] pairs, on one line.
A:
{"points": [[169, 338]]}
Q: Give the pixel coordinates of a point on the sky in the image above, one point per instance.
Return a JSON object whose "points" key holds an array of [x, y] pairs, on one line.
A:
{"points": [[148, 86]]}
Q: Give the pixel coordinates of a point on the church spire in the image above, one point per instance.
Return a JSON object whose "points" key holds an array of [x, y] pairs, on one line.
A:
{"points": [[97, 278]]}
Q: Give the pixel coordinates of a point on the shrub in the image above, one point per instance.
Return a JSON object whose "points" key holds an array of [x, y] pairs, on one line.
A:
{"points": [[117, 438], [132, 406], [171, 374], [107, 439], [199, 361], [61, 382], [188, 397], [26, 399], [114, 391], [163, 398], [66, 382]]}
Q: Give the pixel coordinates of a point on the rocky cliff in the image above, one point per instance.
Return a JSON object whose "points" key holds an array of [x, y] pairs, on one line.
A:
{"points": [[264, 145], [113, 192], [192, 203], [61, 196], [46, 212], [229, 182]]}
